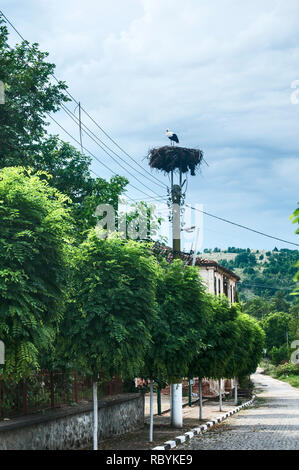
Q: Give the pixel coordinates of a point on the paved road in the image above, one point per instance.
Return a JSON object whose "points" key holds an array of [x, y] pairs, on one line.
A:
{"points": [[272, 423]]}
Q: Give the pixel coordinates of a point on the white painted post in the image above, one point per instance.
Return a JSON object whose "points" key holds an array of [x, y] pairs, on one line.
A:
{"points": [[200, 398], [170, 403], [95, 415], [151, 411], [236, 390], [220, 394], [177, 406]]}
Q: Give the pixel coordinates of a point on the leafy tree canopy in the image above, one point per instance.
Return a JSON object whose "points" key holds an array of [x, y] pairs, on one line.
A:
{"points": [[35, 228], [30, 94], [219, 340], [247, 348], [276, 327], [107, 327], [179, 333]]}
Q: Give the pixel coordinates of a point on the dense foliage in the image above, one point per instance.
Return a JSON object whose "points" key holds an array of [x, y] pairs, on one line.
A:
{"points": [[110, 305], [234, 343], [183, 311], [264, 275], [113, 309], [29, 95], [212, 360], [35, 227]]}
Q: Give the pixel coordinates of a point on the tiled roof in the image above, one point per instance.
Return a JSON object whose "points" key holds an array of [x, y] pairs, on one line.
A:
{"points": [[168, 253], [218, 267]]}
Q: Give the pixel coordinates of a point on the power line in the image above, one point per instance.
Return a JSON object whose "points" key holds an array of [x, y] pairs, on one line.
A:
{"points": [[80, 125], [76, 120], [243, 226], [94, 156], [128, 155], [95, 138], [241, 284], [87, 114]]}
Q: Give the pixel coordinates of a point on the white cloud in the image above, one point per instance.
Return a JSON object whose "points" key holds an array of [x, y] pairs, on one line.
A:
{"points": [[217, 72]]}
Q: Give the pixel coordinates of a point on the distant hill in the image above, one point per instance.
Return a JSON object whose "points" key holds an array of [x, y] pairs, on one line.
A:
{"points": [[263, 273]]}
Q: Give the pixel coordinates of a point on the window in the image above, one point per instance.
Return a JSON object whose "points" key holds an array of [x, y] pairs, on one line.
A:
{"points": [[225, 286]]}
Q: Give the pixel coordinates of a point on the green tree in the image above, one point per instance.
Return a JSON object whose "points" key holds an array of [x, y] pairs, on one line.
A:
{"points": [[178, 334], [30, 95], [182, 315], [71, 175], [106, 331], [257, 307], [247, 348], [219, 341], [279, 303], [245, 260], [276, 328], [35, 228]]}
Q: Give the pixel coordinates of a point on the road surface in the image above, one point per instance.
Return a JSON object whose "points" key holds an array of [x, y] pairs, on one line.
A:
{"points": [[272, 423]]}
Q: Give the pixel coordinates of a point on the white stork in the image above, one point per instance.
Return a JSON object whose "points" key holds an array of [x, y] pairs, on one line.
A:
{"points": [[172, 136]]}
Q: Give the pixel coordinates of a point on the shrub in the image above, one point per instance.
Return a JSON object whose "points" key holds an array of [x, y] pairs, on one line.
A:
{"points": [[279, 354], [287, 369]]}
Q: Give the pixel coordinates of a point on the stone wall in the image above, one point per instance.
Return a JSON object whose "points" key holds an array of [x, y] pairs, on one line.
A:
{"points": [[72, 427]]}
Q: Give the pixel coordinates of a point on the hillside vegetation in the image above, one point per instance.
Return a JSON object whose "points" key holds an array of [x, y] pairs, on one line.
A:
{"points": [[265, 292], [263, 273]]}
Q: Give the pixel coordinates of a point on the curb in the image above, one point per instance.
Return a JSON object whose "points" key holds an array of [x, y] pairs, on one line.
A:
{"points": [[201, 429], [184, 405]]}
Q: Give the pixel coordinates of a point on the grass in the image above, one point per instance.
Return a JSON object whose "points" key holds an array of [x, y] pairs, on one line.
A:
{"points": [[291, 379], [271, 370]]}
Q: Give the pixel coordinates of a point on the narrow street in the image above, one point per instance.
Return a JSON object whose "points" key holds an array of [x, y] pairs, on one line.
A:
{"points": [[272, 423]]}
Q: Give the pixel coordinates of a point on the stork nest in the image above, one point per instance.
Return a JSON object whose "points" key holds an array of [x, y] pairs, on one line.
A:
{"points": [[169, 158]]}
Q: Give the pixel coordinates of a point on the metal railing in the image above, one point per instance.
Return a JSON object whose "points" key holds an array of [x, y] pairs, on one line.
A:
{"points": [[46, 390]]}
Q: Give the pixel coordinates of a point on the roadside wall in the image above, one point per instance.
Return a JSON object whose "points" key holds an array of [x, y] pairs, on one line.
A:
{"points": [[72, 427]]}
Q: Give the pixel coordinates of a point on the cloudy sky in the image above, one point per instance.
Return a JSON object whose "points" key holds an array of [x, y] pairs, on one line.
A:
{"points": [[217, 72]]}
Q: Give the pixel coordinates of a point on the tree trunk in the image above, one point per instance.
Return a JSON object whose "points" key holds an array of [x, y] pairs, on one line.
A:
{"points": [[151, 411], [159, 404], [220, 394], [189, 393], [236, 390], [176, 406], [200, 397], [95, 415]]}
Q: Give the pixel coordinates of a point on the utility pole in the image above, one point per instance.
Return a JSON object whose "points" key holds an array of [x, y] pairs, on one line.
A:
{"points": [[174, 159], [176, 389]]}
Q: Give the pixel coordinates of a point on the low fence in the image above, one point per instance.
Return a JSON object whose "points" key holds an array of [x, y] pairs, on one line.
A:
{"points": [[46, 390]]}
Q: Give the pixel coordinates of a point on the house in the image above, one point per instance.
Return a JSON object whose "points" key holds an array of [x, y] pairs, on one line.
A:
{"points": [[218, 279]]}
